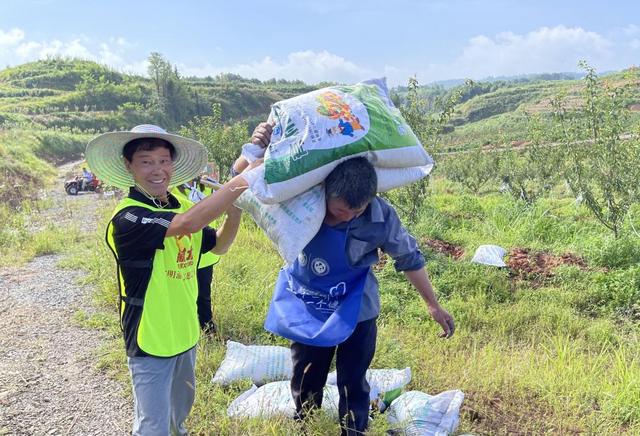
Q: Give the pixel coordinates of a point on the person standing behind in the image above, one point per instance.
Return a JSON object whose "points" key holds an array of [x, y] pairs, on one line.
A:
{"points": [[185, 193], [156, 242]]}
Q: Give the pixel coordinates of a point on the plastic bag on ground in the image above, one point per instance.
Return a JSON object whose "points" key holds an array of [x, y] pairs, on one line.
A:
{"points": [[275, 399], [489, 255], [386, 384], [420, 414], [316, 131], [260, 363]]}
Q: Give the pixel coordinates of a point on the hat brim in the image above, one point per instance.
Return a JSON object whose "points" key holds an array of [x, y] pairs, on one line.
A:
{"points": [[104, 156]]}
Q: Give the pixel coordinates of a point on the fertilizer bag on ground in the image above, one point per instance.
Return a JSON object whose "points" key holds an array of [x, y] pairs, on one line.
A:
{"points": [[260, 363], [420, 414], [275, 399], [386, 384], [314, 132]]}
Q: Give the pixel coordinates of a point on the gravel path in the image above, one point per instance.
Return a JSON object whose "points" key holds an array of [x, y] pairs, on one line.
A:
{"points": [[48, 381]]}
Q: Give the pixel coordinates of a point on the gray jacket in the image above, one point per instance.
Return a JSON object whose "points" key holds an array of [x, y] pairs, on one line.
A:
{"points": [[379, 227]]}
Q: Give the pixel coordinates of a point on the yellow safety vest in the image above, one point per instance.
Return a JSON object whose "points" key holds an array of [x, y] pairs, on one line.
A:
{"points": [[169, 322], [208, 258]]}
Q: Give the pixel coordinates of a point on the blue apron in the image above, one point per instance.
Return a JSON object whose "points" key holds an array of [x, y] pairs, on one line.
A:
{"points": [[317, 299]]}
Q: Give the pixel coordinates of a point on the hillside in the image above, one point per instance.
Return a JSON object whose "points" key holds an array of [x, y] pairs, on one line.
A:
{"points": [[50, 108], [85, 96], [494, 112]]}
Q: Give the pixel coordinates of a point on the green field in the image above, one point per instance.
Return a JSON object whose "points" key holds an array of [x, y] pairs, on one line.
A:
{"points": [[549, 345]]}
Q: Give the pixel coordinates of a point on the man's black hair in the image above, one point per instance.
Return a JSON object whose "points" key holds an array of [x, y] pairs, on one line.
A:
{"points": [[354, 181], [146, 144]]}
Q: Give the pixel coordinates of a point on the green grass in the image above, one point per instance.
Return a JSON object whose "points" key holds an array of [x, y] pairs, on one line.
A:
{"points": [[29, 233], [546, 355], [554, 357]]}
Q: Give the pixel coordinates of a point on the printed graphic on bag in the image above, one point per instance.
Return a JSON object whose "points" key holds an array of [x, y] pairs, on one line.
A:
{"points": [[330, 124]]}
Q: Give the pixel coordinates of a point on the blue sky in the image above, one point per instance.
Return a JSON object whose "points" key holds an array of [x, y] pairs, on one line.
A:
{"points": [[343, 41]]}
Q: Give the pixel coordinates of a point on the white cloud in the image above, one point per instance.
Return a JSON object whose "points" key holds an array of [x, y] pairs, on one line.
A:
{"points": [[546, 49], [32, 50], [108, 56], [11, 38], [631, 30], [309, 66], [15, 49]]}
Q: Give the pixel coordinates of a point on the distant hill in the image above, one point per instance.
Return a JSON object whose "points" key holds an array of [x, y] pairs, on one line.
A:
{"points": [[83, 95], [86, 97], [495, 111], [521, 78]]}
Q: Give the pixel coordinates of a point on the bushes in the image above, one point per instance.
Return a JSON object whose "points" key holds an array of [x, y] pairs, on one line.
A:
{"points": [[614, 293], [474, 170]]}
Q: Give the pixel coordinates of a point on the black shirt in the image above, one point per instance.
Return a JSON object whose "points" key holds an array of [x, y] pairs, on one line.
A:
{"points": [[138, 232]]}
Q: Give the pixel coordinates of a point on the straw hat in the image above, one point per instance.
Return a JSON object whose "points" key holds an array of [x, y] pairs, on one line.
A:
{"points": [[104, 155]]}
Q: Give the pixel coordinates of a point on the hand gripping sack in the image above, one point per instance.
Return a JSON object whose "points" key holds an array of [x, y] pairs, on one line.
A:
{"points": [[316, 131]]}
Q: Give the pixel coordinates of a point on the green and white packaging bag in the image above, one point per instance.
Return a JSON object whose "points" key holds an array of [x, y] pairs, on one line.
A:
{"points": [[415, 413], [290, 225], [316, 131], [275, 399]]}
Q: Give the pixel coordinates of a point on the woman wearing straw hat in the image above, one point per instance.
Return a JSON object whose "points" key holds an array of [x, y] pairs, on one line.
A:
{"points": [[157, 242]]}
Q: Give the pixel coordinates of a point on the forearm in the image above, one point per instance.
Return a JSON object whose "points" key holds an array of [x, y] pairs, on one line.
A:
{"points": [[420, 280], [239, 165], [227, 233], [207, 210]]}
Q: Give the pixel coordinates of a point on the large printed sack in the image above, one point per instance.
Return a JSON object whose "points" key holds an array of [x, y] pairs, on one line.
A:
{"points": [[420, 414], [260, 363], [290, 225], [316, 131], [275, 399], [386, 385], [391, 178]]}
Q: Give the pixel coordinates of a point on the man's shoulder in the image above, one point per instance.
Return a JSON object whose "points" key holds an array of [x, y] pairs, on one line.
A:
{"points": [[382, 210], [131, 216]]}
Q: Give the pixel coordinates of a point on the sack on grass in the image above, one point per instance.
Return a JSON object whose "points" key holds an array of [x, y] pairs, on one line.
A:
{"points": [[386, 385], [274, 399], [316, 131], [260, 363], [418, 414], [290, 225]]}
